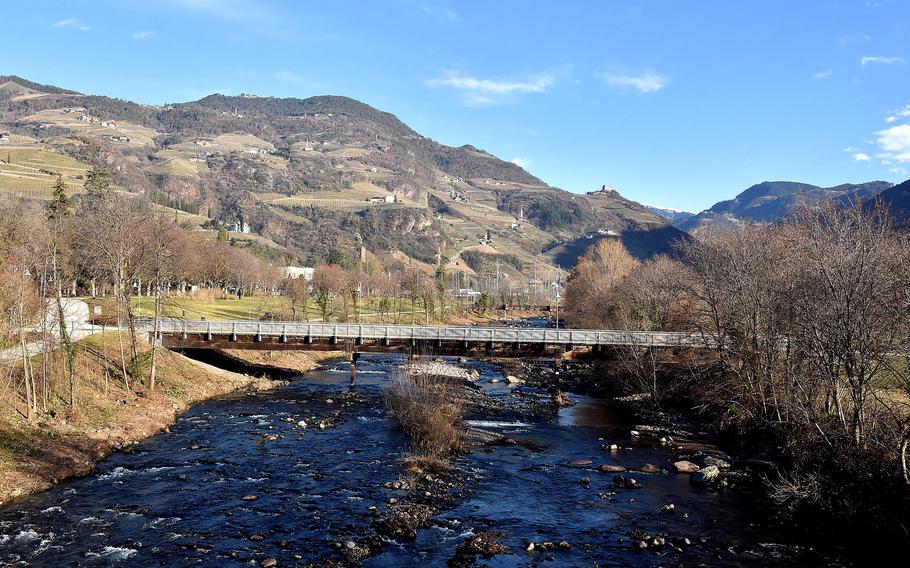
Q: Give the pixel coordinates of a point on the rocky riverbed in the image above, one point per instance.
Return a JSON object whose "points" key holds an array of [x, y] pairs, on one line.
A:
{"points": [[312, 473]]}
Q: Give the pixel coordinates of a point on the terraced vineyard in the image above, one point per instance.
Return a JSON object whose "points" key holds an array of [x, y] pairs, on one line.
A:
{"points": [[31, 171]]}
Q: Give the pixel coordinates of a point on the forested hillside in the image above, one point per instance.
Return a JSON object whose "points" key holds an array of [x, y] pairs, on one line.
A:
{"points": [[308, 176]]}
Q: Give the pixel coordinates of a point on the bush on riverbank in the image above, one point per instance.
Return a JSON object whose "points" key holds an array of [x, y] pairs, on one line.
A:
{"points": [[429, 412]]}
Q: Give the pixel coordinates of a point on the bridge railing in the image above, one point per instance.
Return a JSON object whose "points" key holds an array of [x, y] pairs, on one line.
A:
{"points": [[343, 331]]}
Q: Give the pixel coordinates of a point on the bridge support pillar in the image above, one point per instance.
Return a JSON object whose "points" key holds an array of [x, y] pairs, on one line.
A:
{"points": [[353, 357]]}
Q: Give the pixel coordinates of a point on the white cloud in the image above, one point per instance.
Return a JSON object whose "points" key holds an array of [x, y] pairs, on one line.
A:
{"points": [[823, 74], [897, 114], [861, 157], [535, 84], [440, 14], [895, 144], [143, 35], [521, 162], [71, 23], [489, 92], [867, 59], [898, 171], [645, 83]]}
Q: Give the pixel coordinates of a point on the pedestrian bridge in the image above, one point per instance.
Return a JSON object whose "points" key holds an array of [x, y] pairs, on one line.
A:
{"points": [[415, 339]]}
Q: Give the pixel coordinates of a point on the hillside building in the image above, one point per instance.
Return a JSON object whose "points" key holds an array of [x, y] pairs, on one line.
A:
{"points": [[304, 272]]}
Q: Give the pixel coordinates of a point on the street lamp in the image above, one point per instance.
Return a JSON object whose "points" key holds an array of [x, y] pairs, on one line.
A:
{"points": [[557, 308]]}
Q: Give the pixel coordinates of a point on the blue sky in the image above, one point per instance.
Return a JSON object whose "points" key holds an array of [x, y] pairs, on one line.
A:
{"points": [[679, 104]]}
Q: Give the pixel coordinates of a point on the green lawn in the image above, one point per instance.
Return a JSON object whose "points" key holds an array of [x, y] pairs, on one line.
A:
{"points": [[257, 307]]}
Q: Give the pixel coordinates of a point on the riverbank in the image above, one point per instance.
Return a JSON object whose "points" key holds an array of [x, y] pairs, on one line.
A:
{"points": [[62, 444], [863, 503]]}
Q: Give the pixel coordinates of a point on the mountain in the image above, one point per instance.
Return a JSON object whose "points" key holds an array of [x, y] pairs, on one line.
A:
{"points": [[311, 177], [771, 201], [675, 216], [898, 199]]}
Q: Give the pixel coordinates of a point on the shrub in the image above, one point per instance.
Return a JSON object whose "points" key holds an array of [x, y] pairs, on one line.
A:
{"points": [[429, 412]]}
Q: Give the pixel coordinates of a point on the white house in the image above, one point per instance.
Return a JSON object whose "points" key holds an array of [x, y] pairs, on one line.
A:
{"points": [[304, 272]]}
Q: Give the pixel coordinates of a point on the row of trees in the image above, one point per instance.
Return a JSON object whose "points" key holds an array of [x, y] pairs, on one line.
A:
{"points": [[386, 292], [117, 246], [808, 320], [107, 244]]}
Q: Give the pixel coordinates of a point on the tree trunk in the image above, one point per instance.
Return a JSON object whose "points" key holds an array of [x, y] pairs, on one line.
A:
{"points": [[155, 327], [27, 374]]}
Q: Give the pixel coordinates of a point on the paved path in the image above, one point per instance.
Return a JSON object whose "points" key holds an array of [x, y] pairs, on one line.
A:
{"points": [[76, 316]]}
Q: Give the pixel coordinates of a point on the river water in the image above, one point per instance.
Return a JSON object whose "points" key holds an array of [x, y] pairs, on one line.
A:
{"points": [[178, 499]]}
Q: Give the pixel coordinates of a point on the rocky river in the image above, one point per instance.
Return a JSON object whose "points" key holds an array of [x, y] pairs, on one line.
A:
{"points": [[310, 474]]}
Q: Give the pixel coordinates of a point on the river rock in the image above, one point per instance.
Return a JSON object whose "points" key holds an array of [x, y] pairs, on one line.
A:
{"points": [[485, 544], [353, 553], [580, 463], [626, 482], [403, 520], [650, 468], [713, 460], [705, 475], [562, 399], [269, 563], [760, 464], [513, 380], [684, 466], [611, 468], [249, 497], [302, 424]]}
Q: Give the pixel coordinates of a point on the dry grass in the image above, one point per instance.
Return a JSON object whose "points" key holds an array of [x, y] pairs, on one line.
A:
{"points": [[430, 413]]}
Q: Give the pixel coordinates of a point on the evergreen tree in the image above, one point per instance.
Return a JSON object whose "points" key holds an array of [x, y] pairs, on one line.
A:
{"points": [[222, 233], [61, 205], [97, 183]]}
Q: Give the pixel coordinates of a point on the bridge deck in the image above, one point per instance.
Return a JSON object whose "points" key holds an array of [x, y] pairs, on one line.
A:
{"points": [[198, 332]]}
